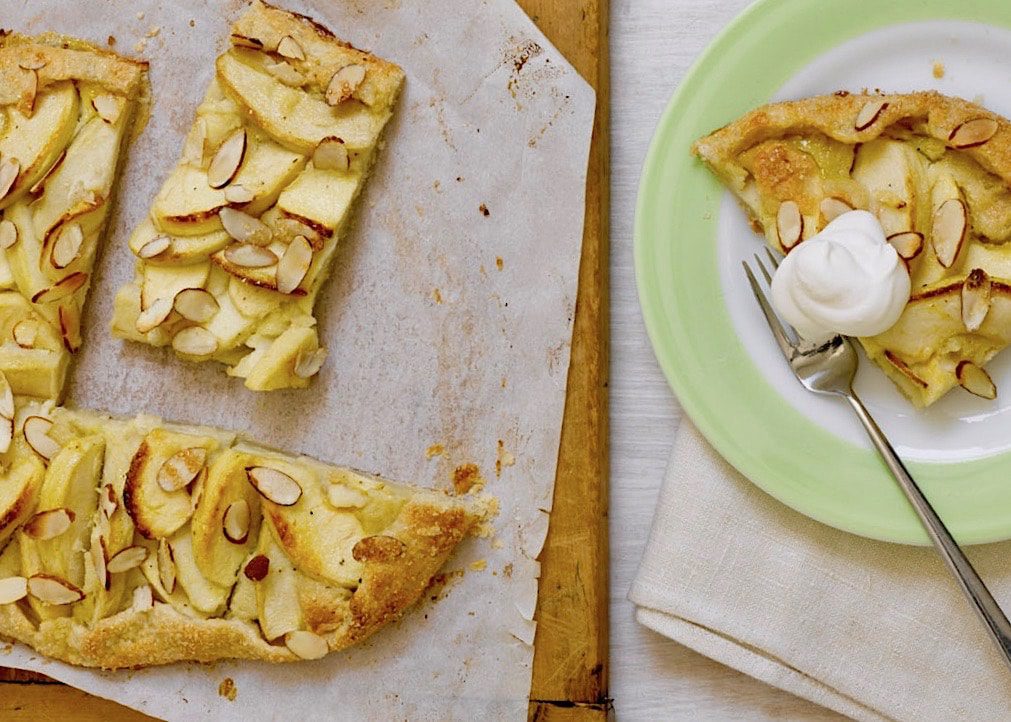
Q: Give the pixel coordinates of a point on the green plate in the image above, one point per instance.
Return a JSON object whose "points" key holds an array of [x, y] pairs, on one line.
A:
{"points": [[768, 440]]}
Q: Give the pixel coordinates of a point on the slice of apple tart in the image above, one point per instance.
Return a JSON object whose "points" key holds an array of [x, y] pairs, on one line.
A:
{"points": [[66, 113], [133, 542], [936, 171], [243, 233]]}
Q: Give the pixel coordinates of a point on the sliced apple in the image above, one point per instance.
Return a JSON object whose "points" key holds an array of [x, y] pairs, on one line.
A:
{"points": [[174, 250], [321, 198], [18, 494], [242, 604], [188, 205], [218, 557], [71, 482], [204, 595], [278, 610], [291, 116], [168, 281], [37, 142], [319, 544], [155, 512], [275, 367]]}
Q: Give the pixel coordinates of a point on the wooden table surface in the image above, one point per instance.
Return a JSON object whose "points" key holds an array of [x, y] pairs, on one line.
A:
{"points": [[570, 662]]}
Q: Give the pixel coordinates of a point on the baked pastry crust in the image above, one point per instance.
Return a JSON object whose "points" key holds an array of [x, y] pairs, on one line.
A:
{"points": [[936, 170], [67, 111], [252, 214], [406, 536]]}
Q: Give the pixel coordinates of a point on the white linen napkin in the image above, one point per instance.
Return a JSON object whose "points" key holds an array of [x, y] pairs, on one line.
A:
{"points": [[872, 630]]}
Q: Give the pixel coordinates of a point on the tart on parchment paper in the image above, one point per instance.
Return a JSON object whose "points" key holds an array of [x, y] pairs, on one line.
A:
{"points": [[242, 235], [67, 111]]}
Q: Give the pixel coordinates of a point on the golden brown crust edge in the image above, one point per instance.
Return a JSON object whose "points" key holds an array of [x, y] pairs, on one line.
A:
{"points": [[835, 115], [396, 572]]}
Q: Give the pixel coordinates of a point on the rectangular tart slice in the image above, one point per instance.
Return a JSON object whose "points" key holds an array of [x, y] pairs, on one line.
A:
{"points": [[130, 542], [242, 235], [66, 113]]}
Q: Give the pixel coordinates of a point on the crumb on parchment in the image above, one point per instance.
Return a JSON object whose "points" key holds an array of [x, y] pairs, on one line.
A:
{"points": [[227, 689], [480, 565], [938, 69]]}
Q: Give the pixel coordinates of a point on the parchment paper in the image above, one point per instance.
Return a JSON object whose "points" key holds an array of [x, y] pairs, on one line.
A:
{"points": [[445, 325]]}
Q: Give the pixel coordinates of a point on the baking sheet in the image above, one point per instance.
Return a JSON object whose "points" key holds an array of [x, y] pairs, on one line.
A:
{"points": [[448, 322]]}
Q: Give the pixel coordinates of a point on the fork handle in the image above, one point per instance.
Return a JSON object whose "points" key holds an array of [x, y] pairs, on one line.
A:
{"points": [[982, 601]]}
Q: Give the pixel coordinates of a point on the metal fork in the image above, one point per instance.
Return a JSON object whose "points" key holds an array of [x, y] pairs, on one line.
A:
{"points": [[828, 367]]}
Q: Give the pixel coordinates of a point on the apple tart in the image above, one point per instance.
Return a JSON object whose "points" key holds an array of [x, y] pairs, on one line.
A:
{"points": [[243, 233], [133, 542], [936, 171], [66, 114]]}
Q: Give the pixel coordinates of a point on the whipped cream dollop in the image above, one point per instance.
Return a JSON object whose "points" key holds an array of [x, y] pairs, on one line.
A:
{"points": [[848, 279]]}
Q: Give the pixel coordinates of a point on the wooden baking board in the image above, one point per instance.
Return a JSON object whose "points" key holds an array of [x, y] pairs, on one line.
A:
{"points": [[570, 651]]}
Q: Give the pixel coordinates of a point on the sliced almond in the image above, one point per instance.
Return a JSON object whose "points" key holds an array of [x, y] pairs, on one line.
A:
{"points": [[62, 288], [289, 48], [8, 234], [286, 74], [70, 326], [67, 247], [973, 133], [869, 113], [975, 380], [36, 431], [950, 224], [308, 365], [195, 341], [143, 598], [53, 590], [193, 149], [331, 154], [107, 501], [154, 247], [99, 559], [127, 559], [235, 522], [49, 524], [344, 83], [274, 485], [238, 194], [180, 469], [227, 160], [9, 170], [305, 644], [166, 566], [294, 264], [109, 107], [13, 589], [249, 255], [154, 315], [244, 228], [257, 568], [789, 224], [25, 332], [6, 398], [975, 299], [907, 244], [196, 304], [832, 208]]}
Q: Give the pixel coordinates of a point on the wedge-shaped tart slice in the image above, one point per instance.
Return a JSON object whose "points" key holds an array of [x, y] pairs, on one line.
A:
{"points": [[137, 542], [66, 112], [936, 171], [243, 233]]}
